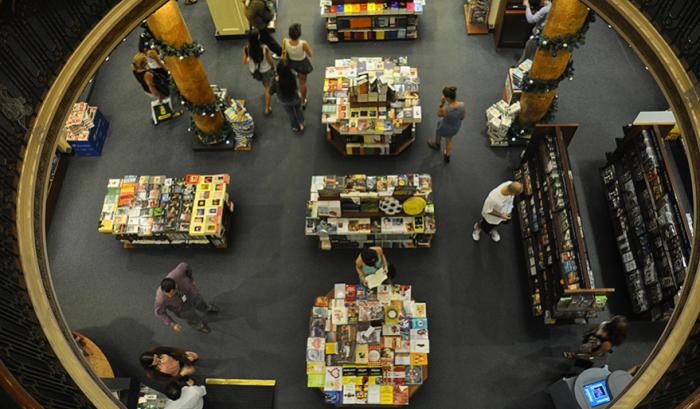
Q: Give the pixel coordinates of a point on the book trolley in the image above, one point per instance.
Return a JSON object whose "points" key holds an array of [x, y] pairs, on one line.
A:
{"points": [[157, 210], [367, 347], [560, 280], [362, 20], [355, 211], [651, 227], [371, 105]]}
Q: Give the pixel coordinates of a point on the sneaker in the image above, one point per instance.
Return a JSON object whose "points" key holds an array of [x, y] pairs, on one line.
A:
{"points": [[495, 236], [476, 233]]}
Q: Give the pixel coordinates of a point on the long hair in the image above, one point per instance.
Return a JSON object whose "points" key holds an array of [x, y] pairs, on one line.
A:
{"points": [[152, 372], [139, 62], [617, 328], [255, 50], [287, 84]]}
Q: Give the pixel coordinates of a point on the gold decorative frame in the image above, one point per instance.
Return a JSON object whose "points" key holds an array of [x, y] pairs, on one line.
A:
{"points": [[127, 14]]}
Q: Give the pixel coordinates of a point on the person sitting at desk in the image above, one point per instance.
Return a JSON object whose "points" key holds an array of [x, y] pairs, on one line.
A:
{"points": [[168, 364], [538, 19], [371, 260]]}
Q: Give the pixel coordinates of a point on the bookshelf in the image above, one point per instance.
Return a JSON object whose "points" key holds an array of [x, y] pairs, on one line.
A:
{"points": [[560, 281], [476, 14], [367, 347], [371, 105], [652, 228], [355, 211], [511, 29], [161, 211], [360, 20]]}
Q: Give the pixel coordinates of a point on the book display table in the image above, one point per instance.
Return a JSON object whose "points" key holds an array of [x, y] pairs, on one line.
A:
{"points": [[367, 347], [362, 20], [371, 105], [561, 284], [156, 210], [355, 211], [86, 130]]}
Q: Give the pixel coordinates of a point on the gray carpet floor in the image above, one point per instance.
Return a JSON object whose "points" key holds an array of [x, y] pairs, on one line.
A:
{"points": [[486, 349]]}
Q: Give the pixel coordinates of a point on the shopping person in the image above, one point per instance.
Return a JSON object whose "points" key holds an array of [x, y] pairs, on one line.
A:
{"points": [[288, 94], [599, 342], [369, 261], [497, 209], [297, 52], [169, 365], [538, 19], [149, 81], [451, 114], [257, 56], [186, 397], [179, 294], [259, 14]]}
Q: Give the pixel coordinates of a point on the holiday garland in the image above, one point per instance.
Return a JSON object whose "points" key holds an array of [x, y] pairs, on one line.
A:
{"points": [[193, 49], [212, 138], [537, 85], [567, 43], [209, 109]]}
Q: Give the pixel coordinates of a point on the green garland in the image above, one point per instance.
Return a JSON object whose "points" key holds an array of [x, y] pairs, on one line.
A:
{"points": [[219, 105], [567, 43], [193, 49], [539, 86], [212, 138]]}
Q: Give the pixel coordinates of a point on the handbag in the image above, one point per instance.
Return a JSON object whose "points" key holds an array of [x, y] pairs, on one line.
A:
{"points": [[161, 110], [283, 57]]}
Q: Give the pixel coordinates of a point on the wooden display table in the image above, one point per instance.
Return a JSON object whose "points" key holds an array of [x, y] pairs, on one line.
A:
{"points": [[94, 355], [368, 348]]}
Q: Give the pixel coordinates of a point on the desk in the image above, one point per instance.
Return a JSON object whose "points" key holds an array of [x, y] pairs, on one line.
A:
{"points": [[94, 355]]}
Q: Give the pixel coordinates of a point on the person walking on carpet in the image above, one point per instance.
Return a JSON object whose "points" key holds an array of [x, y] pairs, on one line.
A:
{"points": [[497, 209], [259, 14], [451, 113], [297, 52], [179, 294], [288, 95], [257, 57]]}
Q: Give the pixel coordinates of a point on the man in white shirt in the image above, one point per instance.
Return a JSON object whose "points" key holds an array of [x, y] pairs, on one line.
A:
{"points": [[497, 209], [190, 397]]}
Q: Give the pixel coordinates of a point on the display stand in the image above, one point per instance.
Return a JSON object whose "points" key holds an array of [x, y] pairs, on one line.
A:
{"points": [[650, 221], [371, 105], [360, 20], [475, 28], [230, 19], [159, 211], [512, 29], [356, 211], [561, 283], [367, 348]]}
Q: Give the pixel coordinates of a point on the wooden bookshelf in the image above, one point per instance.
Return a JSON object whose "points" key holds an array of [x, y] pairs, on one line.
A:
{"points": [[560, 280], [475, 28], [653, 232], [511, 29], [351, 211], [360, 20]]}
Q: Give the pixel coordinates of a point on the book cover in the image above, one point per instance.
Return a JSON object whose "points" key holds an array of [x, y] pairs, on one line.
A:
{"points": [[349, 394], [333, 378], [352, 312], [373, 394], [414, 375], [350, 292], [419, 334], [333, 397], [349, 374], [374, 354], [339, 316], [387, 356], [315, 348], [402, 358], [339, 291], [400, 395], [315, 380], [420, 345], [391, 315], [418, 310], [386, 394], [395, 375], [419, 323], [362, 354], [419, 358], [331, 348]]}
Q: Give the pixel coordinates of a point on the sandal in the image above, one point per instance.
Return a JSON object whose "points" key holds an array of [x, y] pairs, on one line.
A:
{"points": [[268, 112], [303, 105], [569, 354]]}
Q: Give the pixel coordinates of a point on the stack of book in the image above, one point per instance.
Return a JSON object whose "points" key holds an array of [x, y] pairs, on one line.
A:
{"points": [[86, 130], [499, 119], [367, 346], [371, 105], [355, 20], [242, 124], [648, 220], [166, 211], [358, 210], [479, 11]]}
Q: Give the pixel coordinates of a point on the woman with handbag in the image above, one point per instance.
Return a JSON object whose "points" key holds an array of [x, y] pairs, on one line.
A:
{"points": [[288, 94], [297, 53], [257, 56]]}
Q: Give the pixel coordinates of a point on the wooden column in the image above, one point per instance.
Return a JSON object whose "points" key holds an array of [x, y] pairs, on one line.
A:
{"points": [[565, 18], [188, 73]]}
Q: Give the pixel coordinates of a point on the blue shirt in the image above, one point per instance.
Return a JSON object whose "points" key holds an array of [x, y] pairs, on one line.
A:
{"points": [[538, 17]]}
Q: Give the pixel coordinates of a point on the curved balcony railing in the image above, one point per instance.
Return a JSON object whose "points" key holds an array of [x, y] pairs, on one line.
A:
{"points": [[31, 323]]}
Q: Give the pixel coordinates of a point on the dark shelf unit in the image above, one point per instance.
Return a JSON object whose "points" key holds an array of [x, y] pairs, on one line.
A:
{"points": [[403, 19], [560, 281], [511, 29], [652, 231]]}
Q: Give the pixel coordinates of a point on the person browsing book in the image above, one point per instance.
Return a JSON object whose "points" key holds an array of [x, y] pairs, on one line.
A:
{"points": [[259, 61], [370, 261], [497, 209], [179, 294]]}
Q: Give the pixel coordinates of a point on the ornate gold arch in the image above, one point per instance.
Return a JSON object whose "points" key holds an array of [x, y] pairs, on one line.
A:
{"points": [[120, 21]]}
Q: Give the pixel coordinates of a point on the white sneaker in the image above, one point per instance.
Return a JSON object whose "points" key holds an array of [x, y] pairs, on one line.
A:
{"points": [[476, 233], [495, 236]]}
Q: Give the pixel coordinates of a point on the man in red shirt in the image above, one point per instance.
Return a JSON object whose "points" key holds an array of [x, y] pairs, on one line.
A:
{"points": [[179, 294]]}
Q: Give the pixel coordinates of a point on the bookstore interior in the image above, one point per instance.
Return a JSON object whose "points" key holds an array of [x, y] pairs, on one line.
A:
{"points": [[171, 183]]}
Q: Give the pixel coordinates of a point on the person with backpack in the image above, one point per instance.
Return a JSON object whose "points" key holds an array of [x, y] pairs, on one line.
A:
{"points": [[257, 57], [288, 95], [259, 14]]}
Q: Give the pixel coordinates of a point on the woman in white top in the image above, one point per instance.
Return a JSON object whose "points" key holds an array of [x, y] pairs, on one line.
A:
{"points": [[259, 60], [297, 52]]}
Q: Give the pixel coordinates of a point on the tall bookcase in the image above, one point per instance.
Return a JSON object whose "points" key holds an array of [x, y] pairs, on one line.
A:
{"points": [[354, 211], [560, 280], [652, 230], [362, 20], [371, 105]]}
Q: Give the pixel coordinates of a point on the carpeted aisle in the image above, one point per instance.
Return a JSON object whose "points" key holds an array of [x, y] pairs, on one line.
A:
{"points": [[486, 350]]}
